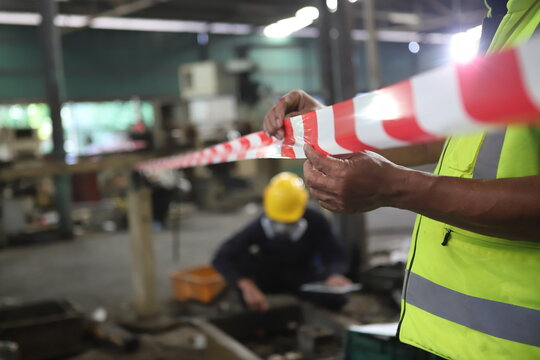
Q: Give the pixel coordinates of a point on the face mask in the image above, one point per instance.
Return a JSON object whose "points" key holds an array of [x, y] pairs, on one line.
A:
{"points": [[291, 231], [283, 228]]}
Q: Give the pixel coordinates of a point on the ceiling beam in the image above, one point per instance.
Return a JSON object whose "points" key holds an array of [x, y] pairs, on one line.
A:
{"points": [[439, 6], [117, 11], [429, 24]]}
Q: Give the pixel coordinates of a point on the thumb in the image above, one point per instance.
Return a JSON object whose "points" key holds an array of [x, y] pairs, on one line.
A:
{"points": [[320, 162]]}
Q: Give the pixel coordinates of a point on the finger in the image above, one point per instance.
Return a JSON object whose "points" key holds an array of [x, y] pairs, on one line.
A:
{"points": [[329, 206], [311, 174], [316, 180], [257, 306], [292, 114], [268, 123], [322, 195], [264, 303], [325, 164], [284, 105], [251, 305], [263, 306]]}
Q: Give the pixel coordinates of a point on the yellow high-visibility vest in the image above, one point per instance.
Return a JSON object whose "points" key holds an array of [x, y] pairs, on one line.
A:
{"points": [[466, 295]]}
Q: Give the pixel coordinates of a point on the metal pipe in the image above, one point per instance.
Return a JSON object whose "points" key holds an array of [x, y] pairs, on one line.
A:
{"points": [[53, 70]]}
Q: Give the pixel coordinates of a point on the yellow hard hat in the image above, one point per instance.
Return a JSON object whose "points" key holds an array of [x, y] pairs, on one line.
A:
{"points": [[285, 198]]}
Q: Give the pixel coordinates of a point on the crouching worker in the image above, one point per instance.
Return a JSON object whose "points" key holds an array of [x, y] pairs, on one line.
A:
{"points": [[289, 245]]}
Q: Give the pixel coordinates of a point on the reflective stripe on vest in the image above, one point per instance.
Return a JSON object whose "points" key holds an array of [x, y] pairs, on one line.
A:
{"points": [[487, 161], [505, 321]]}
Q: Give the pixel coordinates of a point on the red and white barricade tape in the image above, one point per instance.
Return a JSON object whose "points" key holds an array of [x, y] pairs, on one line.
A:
{"points": [[492, 91]]}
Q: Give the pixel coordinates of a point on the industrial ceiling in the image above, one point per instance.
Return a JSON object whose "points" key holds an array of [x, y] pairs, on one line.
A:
{"points": [[410, 15]]}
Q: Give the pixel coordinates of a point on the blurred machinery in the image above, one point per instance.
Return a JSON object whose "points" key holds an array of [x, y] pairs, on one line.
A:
{"points": [[210, 92], [17, 144]]}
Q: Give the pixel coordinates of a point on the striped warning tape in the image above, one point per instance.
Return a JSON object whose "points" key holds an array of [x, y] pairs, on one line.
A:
{"points": [[456, 99]]}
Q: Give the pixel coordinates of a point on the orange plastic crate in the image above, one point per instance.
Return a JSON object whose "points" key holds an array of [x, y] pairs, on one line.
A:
{"points": [[201, 283]]}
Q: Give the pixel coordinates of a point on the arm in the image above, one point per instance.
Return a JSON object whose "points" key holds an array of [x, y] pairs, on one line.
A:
{"points": [[414, 155], [508, 208], [298, 102], [252, 295], [230, 259]]}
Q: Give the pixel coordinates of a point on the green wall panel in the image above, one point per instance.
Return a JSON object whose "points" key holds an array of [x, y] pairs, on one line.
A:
{"points": [[107, 64]]}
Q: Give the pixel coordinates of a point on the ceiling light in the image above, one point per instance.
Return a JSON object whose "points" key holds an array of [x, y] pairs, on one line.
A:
{"points": [[285, 27], [308, 12], [464, 45], [332, 5], [414, 47]]}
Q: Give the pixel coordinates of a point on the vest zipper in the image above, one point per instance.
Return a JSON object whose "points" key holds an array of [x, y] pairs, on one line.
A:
{"points": [[407, 270], [446, 237]]}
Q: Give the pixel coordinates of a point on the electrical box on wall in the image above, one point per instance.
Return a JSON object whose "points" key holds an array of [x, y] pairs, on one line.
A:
{"points": [[205, 79], [17, 144]]}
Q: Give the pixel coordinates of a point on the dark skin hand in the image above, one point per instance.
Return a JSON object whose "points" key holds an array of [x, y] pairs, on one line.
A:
{"points": [[508, 208], [296, 102]]}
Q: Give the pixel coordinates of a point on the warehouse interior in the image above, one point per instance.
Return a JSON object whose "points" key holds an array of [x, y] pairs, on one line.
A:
{"points": [[99, 260]]}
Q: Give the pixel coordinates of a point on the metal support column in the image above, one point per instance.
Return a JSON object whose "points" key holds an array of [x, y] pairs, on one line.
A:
{"points": [[338, 74], [325, 54], [372, 51], [55, 94]]}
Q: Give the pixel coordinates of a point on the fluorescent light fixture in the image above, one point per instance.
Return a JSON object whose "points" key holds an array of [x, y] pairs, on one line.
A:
{"points": [[225, 28], [308, 13], [464, 45], [353, 1], [119, 23], [403, 36], [148, 25], [332, 5], [71, 21], [16, 18], [403, 18], [136, 24], [285, 27]]}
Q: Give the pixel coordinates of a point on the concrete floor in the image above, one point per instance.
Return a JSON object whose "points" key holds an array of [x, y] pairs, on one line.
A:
{"points": [[95, 269]]}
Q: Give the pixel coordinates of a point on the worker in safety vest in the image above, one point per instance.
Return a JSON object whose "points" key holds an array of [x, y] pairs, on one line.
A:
{"points": [[289, 245], [471, 287]]}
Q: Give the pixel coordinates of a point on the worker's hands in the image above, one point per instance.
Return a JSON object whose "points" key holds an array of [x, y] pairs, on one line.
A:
{"points": [[253, 297], [337, 280], [296, 102], [353, 182]]}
